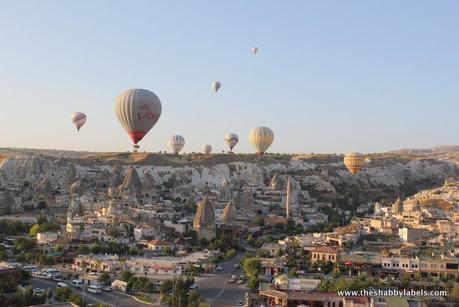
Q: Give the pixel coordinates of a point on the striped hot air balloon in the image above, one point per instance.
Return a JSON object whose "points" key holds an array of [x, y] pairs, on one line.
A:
{"points": [[207, 149], [78, 119], [137, 110], [354, 162], [176, 143], [261, 138], [231, 139]]}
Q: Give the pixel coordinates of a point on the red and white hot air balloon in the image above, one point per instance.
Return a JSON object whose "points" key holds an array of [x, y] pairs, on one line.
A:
{"points": [[78, 119], [138, 110]]}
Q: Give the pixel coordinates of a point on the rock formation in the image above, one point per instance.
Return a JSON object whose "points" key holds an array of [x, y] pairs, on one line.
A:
{"points": [[204, 220], [275, 183], [131, 184], [229, 213]]}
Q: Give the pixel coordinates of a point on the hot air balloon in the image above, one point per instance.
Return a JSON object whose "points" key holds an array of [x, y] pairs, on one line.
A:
{"points": [[261, 138], [354, 162], [231, 139], [78, 119], [216, 86], [207, 149], [137, 110], [176, 143], [367, 161], [254, 50]]}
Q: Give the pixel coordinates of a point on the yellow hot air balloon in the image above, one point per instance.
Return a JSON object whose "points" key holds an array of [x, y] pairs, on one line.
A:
{"points": [[261, 138], [354, 162]]}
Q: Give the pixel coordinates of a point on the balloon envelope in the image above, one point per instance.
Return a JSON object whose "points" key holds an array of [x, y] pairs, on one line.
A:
{"points": [[138, 110], [78, 119], [231, 139], [176, 143], [354, 162], [207, 149], [216, 86], [254, 50], [261, 138]]}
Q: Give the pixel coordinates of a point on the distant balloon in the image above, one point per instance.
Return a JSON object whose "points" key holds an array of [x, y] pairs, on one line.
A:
{"points": [[176, 143], [78, 119], [354, 162], [231, 139], [367, 161], [207, 149], [261, 138], [216, 86], [254, 50], [137, 110]]}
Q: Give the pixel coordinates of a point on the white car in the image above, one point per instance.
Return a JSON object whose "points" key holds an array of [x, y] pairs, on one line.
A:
{"points": [[236, 265], [38, 290], [219, 268]]}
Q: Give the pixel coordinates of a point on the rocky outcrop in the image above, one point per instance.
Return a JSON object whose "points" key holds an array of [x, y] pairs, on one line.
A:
{"points": [[131, 183], [204, 220], [229, 214]]}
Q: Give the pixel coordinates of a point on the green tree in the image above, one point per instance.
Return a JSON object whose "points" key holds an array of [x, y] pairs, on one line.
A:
{"points": [[63, 294], [34, 230], [126, 275], [76, 299], [104, 278]]}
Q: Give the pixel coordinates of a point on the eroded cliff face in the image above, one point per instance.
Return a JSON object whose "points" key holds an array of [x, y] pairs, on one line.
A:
{"points": [[324, 179]]}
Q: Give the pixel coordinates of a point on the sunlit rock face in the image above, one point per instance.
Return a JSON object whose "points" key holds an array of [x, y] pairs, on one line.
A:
{"points": [[23, 167], [323, 178], [131, 183], [76, 188], [204, 220], [229, 214], [275, 183]]}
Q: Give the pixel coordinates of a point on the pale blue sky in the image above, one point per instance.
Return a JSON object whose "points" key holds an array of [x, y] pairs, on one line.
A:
{"points": [[330, 76]]}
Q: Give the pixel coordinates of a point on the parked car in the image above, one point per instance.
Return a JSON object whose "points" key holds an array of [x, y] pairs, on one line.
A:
{"points": [[107, 289], [236, 265], [219, 268], [38, 290], [95, 289], [77, 283], [62, 285]]}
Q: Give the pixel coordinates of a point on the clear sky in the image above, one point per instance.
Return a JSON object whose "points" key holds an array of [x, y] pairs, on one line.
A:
{"points": [[330, 76]]}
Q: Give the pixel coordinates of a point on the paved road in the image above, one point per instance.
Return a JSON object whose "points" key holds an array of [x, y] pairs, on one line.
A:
{"points": [[111, 298], [216, 289]]}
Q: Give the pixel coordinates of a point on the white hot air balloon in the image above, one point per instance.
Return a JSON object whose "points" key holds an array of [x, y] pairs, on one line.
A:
{"points": [[231, 139], [261, 138], [137, 110], [367, 161], [207, 149], [254, 50], [216, 86], [78, 119], [176, 143]]}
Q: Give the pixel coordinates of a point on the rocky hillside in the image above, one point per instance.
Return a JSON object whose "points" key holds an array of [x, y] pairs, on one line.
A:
{"points": [[324, 177]]}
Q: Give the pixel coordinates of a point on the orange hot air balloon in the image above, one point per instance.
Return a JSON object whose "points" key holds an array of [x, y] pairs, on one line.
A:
{"points": [[138, 110], [354, 162]]}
